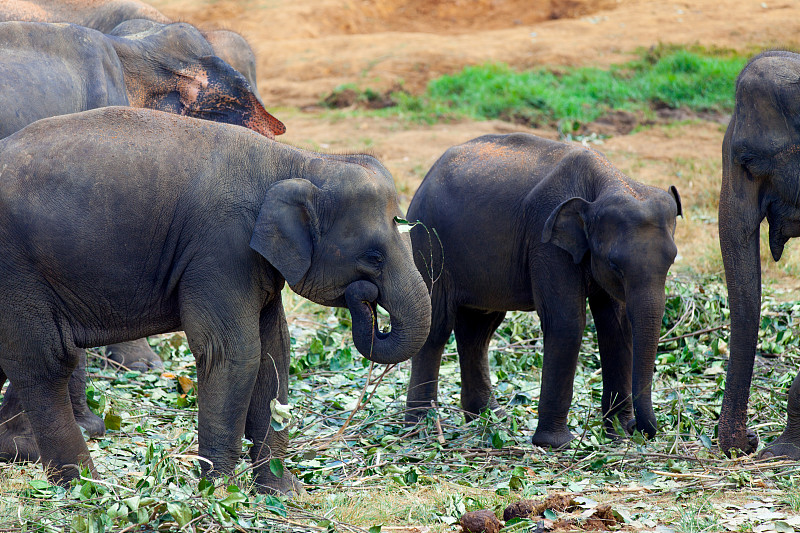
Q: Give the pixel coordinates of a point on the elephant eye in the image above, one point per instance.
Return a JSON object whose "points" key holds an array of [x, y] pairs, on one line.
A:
{"points": [[373, 258], [614, 267]]}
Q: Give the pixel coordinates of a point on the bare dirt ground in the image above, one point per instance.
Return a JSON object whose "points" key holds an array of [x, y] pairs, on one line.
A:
{"points": [[306, 48]]}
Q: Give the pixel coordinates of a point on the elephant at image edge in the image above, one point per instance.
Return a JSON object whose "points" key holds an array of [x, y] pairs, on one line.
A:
{"points": [[760, 178], [56, 69], [527, 223], [202, 244], [105, 15]]}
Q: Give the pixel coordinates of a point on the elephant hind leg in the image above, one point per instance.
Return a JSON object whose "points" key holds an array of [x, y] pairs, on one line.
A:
{"points": [[474, 329], [788, 444]]}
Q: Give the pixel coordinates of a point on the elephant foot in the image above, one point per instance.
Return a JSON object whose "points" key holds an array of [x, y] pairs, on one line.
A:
{"points": [[784, 446], [647, 428], [627, 424], [93, 424], [471, 413], [135, 355], [748, 446], [287, 485], [417, 411], [552, 439], [17, 443]]}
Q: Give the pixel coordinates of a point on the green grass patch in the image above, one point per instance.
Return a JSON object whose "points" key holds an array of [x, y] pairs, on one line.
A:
{"points": [[697, 79]]}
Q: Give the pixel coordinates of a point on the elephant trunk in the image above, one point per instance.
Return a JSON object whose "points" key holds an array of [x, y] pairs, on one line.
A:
{"points": [[739, 220], [645, 310], [410, 314]]}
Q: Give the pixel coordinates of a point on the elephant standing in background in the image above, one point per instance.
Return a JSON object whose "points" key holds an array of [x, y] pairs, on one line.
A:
{"points": [[199, 223], [760, 178], [105, 15], [56, 69], [529, 224]]}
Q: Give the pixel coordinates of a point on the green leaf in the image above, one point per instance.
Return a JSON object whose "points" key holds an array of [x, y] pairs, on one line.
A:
{"points": [[132, 503], [39, 484], [113, 421], [276, 467], [205, 488], [233, 498], [180, 512], [550, 514], [375, 529], [275, 505]]}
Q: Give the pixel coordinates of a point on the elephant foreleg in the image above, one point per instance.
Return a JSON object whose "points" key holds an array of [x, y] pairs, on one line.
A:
{"points": [[423, 386], [563, 329], [272, 383], [474, 330], [616, 359]]}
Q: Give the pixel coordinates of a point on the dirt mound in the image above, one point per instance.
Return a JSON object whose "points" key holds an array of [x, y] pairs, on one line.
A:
{"points": [[449, 16], [321, 18]]}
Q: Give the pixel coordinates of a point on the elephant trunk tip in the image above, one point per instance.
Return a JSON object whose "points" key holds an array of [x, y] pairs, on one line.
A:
{"points": [[399, 344]]}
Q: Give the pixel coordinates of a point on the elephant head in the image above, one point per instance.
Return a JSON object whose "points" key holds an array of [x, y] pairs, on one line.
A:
{"points": [[760, 178], [631, 248], [336, 242], [172, 67]]}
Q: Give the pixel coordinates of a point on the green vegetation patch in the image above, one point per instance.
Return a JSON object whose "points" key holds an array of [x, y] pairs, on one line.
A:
{"points": [[363, 468], [664, 77]]}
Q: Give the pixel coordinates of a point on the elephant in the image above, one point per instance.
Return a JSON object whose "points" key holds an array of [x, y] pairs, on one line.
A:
{"points": [[105, 15], [526, 223], [760, 166], [201, 223], [55, 69]]}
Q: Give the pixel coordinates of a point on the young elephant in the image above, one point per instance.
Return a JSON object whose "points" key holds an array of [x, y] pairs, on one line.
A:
{"points": [[760, 179], [531, 224], [199, 224]]}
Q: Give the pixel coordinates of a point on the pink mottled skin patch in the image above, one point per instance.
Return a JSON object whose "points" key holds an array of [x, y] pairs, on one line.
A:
{"points": [[616, 173]]}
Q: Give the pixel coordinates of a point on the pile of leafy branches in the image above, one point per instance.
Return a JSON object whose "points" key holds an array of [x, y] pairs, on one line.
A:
{"points": [[363, 468]]}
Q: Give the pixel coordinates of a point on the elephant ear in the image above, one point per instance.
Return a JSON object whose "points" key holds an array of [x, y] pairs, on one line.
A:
{"points": [[674, 192], [566, 228], [287, 227]]}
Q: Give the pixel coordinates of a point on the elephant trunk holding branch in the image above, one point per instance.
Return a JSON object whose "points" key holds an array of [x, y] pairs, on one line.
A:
{"points": [[200, 224], [529, 224], [760, 179]]}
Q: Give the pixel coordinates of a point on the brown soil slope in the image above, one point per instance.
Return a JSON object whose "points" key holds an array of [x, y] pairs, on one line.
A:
{"points": [[306, 48]]}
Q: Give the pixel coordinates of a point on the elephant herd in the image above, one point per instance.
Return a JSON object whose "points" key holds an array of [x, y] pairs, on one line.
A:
{"points": [[142, 192]]}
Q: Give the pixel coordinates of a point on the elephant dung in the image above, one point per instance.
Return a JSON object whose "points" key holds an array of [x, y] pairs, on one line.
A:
{"points": [[483, 521], [528, 508]]}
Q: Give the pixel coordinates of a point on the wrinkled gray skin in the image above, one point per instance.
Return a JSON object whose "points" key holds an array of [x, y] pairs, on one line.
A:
{"points": [[201, 243], [529, 224], [105, 15], [56, 69], [760, 179]]}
